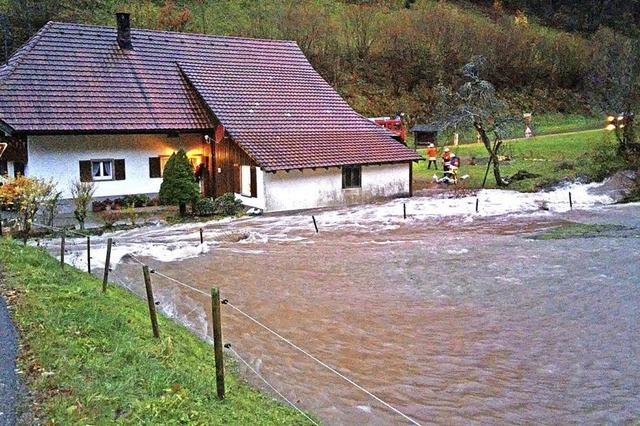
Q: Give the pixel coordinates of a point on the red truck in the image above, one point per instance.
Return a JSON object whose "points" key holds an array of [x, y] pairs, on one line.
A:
{"points": [[394, 125]]}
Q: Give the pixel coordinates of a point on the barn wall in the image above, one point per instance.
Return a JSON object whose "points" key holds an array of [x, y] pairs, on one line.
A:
{"points": [[57, 157], [323, 188]]}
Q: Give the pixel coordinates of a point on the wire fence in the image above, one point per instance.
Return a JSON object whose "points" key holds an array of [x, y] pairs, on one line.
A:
{"points": [[124, 282], [287, 341]]}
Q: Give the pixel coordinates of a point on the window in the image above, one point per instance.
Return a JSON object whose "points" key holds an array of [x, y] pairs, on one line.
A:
{"points": [[164, 159], [102, 169], [195, 161], [351, 177], [157, 164]]}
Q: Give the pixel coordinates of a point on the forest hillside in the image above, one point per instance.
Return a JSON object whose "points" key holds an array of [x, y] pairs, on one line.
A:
{"points": [[389, 56]]}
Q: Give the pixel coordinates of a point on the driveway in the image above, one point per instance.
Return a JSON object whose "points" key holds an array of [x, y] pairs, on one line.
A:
{"points": [[8, 379]]}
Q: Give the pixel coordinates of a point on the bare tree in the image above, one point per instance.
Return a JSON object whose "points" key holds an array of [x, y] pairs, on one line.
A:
{"points": [[475, 104]]}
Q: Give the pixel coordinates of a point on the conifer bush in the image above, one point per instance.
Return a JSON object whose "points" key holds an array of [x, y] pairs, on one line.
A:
{"points": [[179, 185]]}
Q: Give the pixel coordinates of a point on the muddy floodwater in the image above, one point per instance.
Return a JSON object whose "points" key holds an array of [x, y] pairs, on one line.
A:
{"points": [[450, 318]]}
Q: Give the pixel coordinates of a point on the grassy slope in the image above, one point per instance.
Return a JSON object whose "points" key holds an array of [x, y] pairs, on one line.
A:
{"points": [[544, 124], [553, 150], [92, 358]]}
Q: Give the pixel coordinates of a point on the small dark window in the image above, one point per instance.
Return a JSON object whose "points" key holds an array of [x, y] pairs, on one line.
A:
{"points": [[351, 176]]}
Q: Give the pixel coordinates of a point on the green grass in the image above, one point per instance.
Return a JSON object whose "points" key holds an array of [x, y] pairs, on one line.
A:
{"points": [[555, 157], [585, 230], [90, 357], [545, 124]]}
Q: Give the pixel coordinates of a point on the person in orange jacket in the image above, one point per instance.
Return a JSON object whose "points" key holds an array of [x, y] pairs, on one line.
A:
{"points": [[446, 158], [432, 153]]}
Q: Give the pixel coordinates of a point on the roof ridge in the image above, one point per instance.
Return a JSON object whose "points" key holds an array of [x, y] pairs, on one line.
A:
{"points": [[19, 55], [187, 33]]}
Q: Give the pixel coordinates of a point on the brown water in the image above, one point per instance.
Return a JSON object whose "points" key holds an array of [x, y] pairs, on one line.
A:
{"points": [[448, 321]]}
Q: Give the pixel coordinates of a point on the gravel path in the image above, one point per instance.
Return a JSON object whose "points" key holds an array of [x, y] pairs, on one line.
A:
{"points": [[8, 379]]}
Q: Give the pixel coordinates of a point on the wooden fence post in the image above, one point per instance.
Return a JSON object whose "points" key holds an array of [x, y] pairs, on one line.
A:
{"points": [[315, 225], [150, 301], [201, 237], [88, 254], [107, 263], [217, 340], [62, 243], [404, 210], [570, 201]]}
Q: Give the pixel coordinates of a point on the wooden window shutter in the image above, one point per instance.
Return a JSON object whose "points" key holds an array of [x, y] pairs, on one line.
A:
{"points": [[236, 179], [154, 167], [85, 171], [254, 182], [118, 169]]}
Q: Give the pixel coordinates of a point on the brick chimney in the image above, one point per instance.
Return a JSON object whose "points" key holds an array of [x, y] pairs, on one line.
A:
{"points": [[124, 31]]}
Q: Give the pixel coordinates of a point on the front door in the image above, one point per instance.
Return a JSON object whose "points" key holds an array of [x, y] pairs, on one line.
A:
{"points": [[223, 167]]}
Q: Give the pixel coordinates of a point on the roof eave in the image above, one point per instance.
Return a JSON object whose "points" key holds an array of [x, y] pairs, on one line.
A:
{"points": [[4, 127], [41, 132], [326, 166]]}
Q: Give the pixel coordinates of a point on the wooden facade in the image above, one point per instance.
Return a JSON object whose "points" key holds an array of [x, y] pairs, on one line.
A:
{"points": [[228, 158]]}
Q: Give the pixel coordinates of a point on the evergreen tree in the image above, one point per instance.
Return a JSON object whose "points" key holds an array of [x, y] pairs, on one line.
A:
{"points": [[179, 186]]}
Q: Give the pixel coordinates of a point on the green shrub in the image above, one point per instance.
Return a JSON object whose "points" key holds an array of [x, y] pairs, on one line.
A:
{"points": [[179, 186], [139, 200], [110, 217], [605, 160], [227, 205], [205, 207]]}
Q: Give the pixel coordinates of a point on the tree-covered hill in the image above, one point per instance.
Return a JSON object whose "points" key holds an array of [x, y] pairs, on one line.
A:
{"points": [[387, 56], [585, 16]]}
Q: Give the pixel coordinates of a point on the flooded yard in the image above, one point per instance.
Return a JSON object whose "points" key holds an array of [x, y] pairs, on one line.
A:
{"points": [[451, 316]]}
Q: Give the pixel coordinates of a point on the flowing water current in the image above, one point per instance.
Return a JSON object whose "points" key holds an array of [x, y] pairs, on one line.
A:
{"points": [[449, 315]]}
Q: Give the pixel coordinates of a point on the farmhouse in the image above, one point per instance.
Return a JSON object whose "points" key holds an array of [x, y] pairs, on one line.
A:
{"points": [[110, 105]]}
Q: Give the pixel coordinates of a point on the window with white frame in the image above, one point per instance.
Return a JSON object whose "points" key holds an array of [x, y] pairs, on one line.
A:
{"points": [[102, 169]]}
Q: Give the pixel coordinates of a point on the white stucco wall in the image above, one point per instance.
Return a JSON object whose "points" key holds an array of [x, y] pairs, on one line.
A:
{"points": [[57, 157], [259, 201], [323, 188]]}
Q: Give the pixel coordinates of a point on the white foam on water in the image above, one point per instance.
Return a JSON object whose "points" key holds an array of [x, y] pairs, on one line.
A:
{"points": [[458, 251], [492, 202], [182, 241]]}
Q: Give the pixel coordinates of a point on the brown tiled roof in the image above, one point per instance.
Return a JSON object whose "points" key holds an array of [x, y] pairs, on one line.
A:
{"points": [[75, 78]]}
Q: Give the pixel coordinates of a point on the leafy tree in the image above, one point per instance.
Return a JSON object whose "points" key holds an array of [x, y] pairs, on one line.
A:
{"points": [[28, 195], [81, 193], [613, 82], [172, 18], [178, 186], [475, 104]]}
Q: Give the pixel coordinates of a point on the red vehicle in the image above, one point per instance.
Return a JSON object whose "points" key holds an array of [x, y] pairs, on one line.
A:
{"points": [[394, 125]]}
